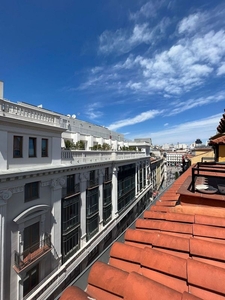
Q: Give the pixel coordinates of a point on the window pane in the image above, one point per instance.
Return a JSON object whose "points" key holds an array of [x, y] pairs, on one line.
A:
{"points": [[17, 146], [32, 147], [44, 148], [31, 191], [31, 280]]}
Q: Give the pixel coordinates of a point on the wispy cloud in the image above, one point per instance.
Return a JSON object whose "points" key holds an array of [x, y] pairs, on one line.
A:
{"points": [[92, 111], [188, 63], [181, 106], [186, 132], [124, 40], [134, 120], [148, 10]]}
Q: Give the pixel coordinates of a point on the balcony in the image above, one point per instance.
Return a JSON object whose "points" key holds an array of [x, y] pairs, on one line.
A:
{"points": [[28, 112], [77, 157], [203, 185], [32, 254]]}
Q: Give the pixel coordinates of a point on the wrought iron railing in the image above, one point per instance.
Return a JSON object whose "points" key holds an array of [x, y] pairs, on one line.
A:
{"points": [[213, 169], [30, 254]]}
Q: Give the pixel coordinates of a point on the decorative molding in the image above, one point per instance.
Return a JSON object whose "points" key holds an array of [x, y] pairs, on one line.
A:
{"points": [[84, 176], [45, 183], [5, 195], [115, 170], [2, 202], [62, 181], [101, 172], [54, 183]]}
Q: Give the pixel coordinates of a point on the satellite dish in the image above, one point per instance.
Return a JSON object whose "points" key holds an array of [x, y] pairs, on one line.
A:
{"points": [[68, 115], [74, 116]]}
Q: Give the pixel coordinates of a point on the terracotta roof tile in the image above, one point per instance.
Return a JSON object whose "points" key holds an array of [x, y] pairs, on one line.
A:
{"points": [[139, 287], [164, 263], [218, 140], [208, 231], [111, 283], [154, 215], [207, 249], [200, 275], [177, 250], [210, 220]]}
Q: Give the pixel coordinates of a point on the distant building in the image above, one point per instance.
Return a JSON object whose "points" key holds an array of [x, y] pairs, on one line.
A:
{"points": [[59, 208]]}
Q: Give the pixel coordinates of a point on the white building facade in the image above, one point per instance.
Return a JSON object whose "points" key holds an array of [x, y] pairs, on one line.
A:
{"points": [[60, 208]]}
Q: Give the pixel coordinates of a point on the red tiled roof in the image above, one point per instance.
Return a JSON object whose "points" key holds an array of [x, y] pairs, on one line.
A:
{"points": [[218, 140], [177, 251]]}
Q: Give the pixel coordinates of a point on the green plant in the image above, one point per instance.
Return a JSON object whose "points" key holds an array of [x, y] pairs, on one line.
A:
{"points": [[80, 145], [69, 145]]}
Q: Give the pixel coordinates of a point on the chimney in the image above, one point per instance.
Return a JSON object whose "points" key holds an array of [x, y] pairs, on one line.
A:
{"points": [[1, 89]]}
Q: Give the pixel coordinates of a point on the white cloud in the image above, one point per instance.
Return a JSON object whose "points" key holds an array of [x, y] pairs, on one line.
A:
{"points": [[181, 106], [191, 23], [124, 40], [137, 119], [221, 69], [148, 10], [92, 111], [186, 132]]}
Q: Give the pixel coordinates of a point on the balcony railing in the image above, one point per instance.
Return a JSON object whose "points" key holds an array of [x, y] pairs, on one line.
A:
{"points": [[84, 157], [32, 253], [211, 171], [29, 112]]}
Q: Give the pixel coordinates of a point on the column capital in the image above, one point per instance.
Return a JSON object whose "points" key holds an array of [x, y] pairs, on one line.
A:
{"points": [[4, 196], [115, 170]]}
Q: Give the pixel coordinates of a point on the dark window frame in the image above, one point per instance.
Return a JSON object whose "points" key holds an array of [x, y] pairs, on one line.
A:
{"points": [[44, 147], [31, 279], [31, 191], [71, 213], [32, 150], [17, 146]]}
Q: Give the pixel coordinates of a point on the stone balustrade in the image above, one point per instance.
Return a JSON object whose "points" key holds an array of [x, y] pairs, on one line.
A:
{"points": [[27, 112], [81, 157]]}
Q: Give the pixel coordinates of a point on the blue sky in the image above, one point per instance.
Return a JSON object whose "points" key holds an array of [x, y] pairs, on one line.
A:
{"points": [[142, 68]]}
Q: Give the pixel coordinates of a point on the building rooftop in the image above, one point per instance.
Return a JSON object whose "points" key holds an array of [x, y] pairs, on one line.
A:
{"points": [[176, 251]]}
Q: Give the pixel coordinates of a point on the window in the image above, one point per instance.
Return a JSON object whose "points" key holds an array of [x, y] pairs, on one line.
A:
{"points": [[31, 239], [17, 146], [44, 148], [70, 244], [70, 184], [71, 213], [31, 280], [92, 201], [92, 226], [31, 191], [32, 147]]}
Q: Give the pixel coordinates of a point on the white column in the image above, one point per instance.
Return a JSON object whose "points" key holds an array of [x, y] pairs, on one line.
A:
{"points": [[83, 227], [100, 203], [2, 246], [56, 194], [114, 193]]}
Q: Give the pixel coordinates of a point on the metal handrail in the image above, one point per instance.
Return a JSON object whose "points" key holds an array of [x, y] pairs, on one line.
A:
{"points": [[202, 167], [30, 254]]}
